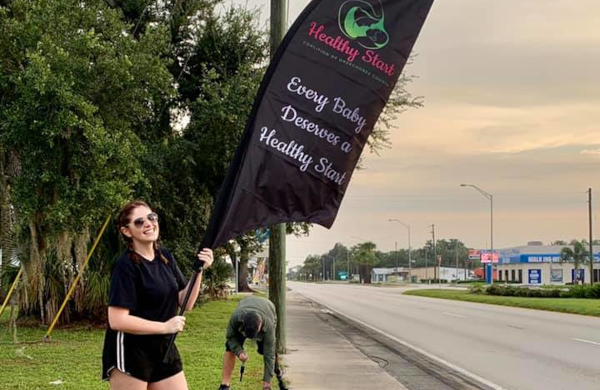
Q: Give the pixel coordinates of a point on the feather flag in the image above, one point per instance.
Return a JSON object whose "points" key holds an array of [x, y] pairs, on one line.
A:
{"points": [[317, 105]]}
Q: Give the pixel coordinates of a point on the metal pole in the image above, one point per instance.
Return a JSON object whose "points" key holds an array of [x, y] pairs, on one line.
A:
{"points": [[409, 258], [409, 248], [490, 197], [492, 236], [591, 238], [435, 259]]}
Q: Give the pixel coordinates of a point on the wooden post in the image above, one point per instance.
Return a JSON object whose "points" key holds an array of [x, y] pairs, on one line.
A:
{"points": [[277, 275]]}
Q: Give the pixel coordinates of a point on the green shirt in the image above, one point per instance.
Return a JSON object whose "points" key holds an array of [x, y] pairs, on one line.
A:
{"points": [[266, 310]]}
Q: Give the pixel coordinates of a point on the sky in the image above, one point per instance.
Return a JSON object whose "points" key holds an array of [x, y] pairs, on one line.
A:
{"points": [[511, 104]]}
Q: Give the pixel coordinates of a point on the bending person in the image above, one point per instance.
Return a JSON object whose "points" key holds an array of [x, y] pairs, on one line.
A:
{"points": [[256, 319]]}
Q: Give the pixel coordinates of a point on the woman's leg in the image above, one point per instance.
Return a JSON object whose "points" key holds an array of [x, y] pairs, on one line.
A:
{"points": [[175, 382], [121, 381]]}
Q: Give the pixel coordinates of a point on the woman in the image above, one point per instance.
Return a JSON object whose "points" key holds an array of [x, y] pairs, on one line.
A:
{"points": [[146, 290]]}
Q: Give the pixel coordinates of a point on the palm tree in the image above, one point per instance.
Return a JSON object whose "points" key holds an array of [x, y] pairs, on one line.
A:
{"points": [[577, 255], [364, 254]]}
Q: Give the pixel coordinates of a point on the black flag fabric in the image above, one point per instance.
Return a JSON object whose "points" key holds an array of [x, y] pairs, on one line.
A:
{"points": [[319, 101]]}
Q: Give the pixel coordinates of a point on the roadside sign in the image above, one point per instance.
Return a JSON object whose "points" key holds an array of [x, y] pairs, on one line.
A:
{"points": [[485, 256], [535, 276], [578, 275]]}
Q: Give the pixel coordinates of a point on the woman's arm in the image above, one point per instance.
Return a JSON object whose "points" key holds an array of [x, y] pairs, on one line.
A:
{"points": [[206, 255], [120, 320]]}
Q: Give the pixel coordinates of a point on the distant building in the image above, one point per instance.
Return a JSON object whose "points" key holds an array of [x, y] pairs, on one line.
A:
{"points": [[447, 274], [417, 274], [382, 275], [542, 264]]}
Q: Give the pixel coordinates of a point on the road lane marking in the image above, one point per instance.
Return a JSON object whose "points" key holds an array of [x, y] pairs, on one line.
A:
{"points": [[587, 342], [431, 356], [454, 315]]}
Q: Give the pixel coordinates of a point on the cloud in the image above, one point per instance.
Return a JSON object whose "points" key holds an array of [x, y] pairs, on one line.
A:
{"points": [[591, 152]]}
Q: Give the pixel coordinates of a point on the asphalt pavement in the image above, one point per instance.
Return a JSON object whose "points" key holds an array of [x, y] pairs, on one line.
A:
{"points": [[503, 348]]}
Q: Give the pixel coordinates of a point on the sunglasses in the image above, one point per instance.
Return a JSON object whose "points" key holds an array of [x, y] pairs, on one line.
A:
{"points": [[139, 222]]}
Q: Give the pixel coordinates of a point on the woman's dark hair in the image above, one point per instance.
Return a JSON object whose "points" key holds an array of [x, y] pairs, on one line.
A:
{"points": [[251, 323], [123, 219]]}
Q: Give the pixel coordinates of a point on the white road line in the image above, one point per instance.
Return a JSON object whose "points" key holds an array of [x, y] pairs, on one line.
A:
{"points": [[419, 350], [454, 315], [587, 342]]}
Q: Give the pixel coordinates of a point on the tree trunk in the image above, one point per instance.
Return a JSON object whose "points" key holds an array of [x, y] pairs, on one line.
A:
{"points": [[243, 275], [243, 268], [366, 274]]}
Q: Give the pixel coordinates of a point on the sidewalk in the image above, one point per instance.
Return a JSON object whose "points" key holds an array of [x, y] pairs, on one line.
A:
{"points": [[319, 358]]}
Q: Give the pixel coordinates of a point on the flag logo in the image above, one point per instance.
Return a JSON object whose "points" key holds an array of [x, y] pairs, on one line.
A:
{"points": [[364, 23]]}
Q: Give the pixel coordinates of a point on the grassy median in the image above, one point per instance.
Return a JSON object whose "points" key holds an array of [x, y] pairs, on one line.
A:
{"points": [[589, 307], [72, 359]]}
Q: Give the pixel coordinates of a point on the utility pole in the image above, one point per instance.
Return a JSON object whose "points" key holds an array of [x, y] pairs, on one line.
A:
{"points": [[277, 286], [456, 253], [591, 238], [435, 259], [397, 257], [426, 269]]}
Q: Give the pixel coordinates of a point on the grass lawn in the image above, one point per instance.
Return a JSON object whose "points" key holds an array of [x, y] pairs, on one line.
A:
{"points": [[74, 355], [590, 307]]}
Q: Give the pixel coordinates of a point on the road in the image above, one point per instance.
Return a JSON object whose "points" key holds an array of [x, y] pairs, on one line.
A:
{"points": [[512, 348]]}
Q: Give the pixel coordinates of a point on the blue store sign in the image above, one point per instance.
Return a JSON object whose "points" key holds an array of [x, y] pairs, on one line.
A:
{"points": [[535, 276]]}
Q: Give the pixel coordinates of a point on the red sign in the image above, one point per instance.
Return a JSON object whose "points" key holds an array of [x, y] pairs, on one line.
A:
{"points": [[485, 257]]}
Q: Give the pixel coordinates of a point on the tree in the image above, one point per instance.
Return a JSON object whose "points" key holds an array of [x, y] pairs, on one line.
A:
{"points": [[364, 255], [224, 67], [577, 255], [77, 93], [312, 267]]}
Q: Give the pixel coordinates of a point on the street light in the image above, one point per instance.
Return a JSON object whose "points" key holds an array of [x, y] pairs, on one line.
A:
{"points": [[333, 266], [490, 197], [409, 249]]}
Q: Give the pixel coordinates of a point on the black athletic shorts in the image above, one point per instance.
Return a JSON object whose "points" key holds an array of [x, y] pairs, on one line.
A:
{"points": [[241, 340], [139, 356]]}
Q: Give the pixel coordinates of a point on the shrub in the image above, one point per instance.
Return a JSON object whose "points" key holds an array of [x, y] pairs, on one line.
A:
{"points": [[476, 289], [512, 291], [216, 277]]}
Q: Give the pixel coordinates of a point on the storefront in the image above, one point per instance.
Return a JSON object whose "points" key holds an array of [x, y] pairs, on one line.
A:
{"points": [[539, 264]]}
